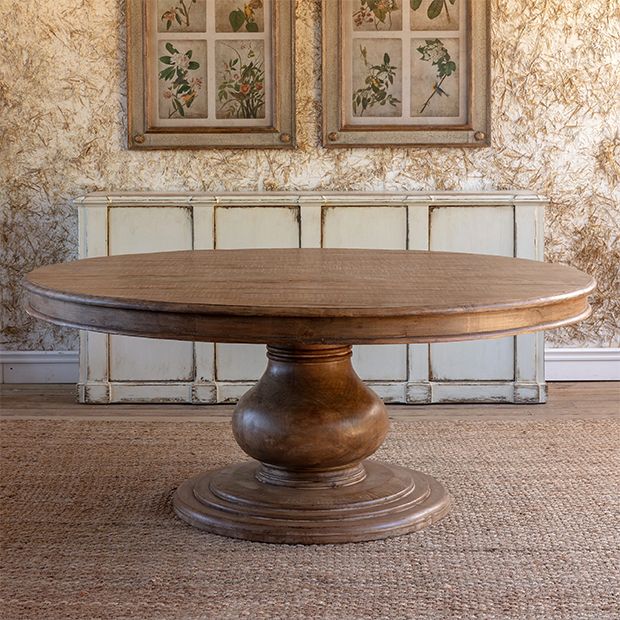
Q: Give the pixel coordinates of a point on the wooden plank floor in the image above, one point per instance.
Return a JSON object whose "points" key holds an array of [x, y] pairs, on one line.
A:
{"points": [[599, 399]]}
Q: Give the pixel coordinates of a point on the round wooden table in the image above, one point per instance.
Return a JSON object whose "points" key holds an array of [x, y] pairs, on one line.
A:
{"points": [[310, 422]]}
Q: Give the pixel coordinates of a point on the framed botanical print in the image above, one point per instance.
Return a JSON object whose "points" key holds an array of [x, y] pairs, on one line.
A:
{"points": [[405, 72], [210, 73]]}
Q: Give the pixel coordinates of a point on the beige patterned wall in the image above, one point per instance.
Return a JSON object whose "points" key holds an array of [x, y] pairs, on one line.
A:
{"points": [[556, 122]]}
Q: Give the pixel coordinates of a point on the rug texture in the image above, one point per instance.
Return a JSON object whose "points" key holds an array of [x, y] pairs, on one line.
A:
{"points": [[88, 529]]}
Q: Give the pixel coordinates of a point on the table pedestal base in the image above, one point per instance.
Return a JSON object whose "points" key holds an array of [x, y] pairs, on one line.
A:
{"points": [[389, 501], [310, 423]]}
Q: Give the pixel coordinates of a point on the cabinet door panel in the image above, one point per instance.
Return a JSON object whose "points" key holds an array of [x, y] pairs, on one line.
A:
{"points": [[484, 360], [239, 362], [479, 230], [370, 228], [135, 230], [476, 230], [256, 227], [381, 362], [379, 228], [250, 227], [147, 359]]}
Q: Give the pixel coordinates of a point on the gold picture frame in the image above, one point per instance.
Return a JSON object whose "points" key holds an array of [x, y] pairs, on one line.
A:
{"points": [[406, 73], [210, 74]]}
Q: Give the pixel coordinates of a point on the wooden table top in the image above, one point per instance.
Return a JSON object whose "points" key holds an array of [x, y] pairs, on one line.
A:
{"points": [[309, 295]]}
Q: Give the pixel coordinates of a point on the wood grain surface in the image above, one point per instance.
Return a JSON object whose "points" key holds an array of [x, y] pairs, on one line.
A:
{"points": [[309, 295], [311, 423]]}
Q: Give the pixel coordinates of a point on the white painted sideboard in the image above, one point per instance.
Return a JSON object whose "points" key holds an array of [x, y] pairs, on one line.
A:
{"points": [[125, 369]]}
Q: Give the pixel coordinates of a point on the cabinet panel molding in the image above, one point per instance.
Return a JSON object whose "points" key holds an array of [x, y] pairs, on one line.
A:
{"points": [[136, 370]]}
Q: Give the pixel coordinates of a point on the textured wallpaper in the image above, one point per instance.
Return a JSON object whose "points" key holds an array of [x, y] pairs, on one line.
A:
{"points": [[556, 119]]}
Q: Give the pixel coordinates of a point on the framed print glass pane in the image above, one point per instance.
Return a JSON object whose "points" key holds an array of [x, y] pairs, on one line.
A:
{"points": [[376, 16], [404, 75], [240, 16], [241, 80], [435, 15], [189, 16], [405, 72], [376, 78], [211, 73], [219, 77], [182, 79], [438, 94]]}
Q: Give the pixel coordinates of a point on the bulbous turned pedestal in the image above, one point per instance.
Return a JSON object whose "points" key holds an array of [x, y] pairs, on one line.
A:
{"points": [[310, 420], [311, 423]]}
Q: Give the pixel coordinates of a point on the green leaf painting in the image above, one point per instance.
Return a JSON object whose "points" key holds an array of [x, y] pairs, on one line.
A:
{"points": [[435, 8], [435, 52], [182, 88], [378, 81], [245, 15]]}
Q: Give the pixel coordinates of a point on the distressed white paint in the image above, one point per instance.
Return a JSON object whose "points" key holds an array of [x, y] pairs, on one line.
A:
{"points": [[486, 360], [149, 359], [149, 229], [370, 228], [94, 231], [239, 362], [505, 223], [418, 226], [203, 219], [152, 392], [93, 243], [482, 230], [251, 227], [205, 361], [365, 227], [382, 362], [562, 364], [467, 392], [310, 224], [478, 229], [529, 348]]}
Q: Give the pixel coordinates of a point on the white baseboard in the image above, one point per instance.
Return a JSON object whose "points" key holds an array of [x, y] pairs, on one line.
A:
{"points": [[582, 364], [565, 364], [39, 366]]}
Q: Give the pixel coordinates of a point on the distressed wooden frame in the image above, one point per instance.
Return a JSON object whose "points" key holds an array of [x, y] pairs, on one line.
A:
{"points": [[474, 133], [281, 132]]}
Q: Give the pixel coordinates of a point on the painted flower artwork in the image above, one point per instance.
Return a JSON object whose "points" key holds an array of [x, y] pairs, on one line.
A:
{"points": [[377, 14], [241, 80], [435, 52], [435, 8], [209, 68], [181, 83], [377, 85], [181, 15]]}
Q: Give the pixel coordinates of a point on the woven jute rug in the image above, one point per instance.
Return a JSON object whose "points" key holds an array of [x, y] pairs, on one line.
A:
{"points": [[88, 529]]}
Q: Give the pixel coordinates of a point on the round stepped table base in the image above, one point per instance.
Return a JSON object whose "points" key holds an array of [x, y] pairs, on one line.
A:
{"points": [[310, 423], [389, 501]]}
